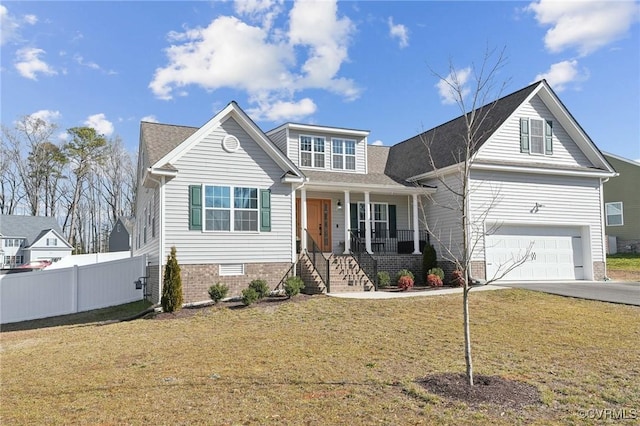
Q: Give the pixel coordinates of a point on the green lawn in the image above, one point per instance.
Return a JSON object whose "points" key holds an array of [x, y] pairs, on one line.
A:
{"points": [[325, 361], [624, 261]]}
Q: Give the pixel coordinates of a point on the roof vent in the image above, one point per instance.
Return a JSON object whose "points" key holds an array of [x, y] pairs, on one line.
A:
{"points": [[230, 143]]}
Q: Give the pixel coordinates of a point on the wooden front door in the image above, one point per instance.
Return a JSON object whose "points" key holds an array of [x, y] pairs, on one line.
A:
{"points": [[318, 222]]}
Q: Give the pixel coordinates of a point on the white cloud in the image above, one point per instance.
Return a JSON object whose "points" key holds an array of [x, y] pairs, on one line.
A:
{"points": [[400, 32], [282, 110], [30, 19], [562, 73], [28, 63], [270, 65], [454, 86], [378, 143], [8, 26], [150, 119], [63, 136], [46, 115], [90, 64], [584, 25], [100, 123]]}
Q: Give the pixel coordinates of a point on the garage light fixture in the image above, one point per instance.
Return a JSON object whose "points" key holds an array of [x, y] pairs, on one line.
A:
{"points": [[536, 208]]}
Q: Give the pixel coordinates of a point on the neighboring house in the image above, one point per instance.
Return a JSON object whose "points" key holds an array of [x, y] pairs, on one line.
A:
{"points": [[120, 236], [27, 239], [622, 206], [239, 204]]}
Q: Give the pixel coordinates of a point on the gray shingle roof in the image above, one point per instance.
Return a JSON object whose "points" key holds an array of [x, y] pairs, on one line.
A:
{"points": [[411, 158], [31, 228], [159, 139]]}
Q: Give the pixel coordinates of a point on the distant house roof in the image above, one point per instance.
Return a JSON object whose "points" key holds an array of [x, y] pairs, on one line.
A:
{"points": [[31, 228], [411, 157]]}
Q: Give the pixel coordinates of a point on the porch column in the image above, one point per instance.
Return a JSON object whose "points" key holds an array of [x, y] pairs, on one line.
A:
{"points": [[303, 219], [416, 231], [367, 222], [347, 222]]}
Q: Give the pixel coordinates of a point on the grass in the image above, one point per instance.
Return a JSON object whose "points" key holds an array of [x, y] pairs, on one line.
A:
{"points": [[97, 315], [624, 261], [325, 361]]}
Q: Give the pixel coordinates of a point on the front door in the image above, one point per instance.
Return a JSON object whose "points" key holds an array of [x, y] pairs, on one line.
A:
{"points": [[318, 223]]}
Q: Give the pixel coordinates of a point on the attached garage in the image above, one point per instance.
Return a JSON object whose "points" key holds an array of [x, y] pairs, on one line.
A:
{"points": [[552, 253]]}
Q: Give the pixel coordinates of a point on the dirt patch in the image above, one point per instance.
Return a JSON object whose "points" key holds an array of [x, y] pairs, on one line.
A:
{"points": [[486, 390], [267, 304], [622, 275]]}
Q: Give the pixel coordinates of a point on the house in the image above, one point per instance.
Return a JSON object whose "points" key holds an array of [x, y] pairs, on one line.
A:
{"points": [[240, 204], [120, 235], [27, 239], [622, 206]]}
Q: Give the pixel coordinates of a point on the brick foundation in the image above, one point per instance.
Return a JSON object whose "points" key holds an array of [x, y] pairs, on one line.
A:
{"points": [[393, 263], [627, 246], [196, 279]]}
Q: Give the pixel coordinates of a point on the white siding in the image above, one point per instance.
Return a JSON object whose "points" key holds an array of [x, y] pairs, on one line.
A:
{"points": [[443, 216], [361, 150], [147, 198], [566, 201], [280, 140], [250, 166], [504, 145]]}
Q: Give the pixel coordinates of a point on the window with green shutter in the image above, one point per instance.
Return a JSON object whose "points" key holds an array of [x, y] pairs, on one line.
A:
{"points": [[549, 138], [524, 135], [265, 210]]}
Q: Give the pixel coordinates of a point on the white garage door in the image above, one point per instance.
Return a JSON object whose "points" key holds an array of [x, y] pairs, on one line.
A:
{"points": [[553, 253]]}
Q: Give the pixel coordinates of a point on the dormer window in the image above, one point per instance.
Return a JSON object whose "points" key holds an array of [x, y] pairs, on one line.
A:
{"points": [[344, 154], [312, 151]]}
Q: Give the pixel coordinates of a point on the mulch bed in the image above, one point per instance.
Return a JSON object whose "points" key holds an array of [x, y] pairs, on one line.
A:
{"points": [[266, 303], [486, 389]]}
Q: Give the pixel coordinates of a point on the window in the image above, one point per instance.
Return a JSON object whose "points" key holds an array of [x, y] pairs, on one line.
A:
{"points": [[11, 242], [52, 241], [312, 151], [614, 213], [344, 154], [379, 219], [225, 206], [536, 136], [13, 260]]}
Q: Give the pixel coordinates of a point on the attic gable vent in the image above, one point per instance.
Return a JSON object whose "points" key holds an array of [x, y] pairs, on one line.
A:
{"points": [[230, 143]]}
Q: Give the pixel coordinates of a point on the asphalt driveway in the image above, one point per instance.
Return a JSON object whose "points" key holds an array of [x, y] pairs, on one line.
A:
{"points": [[627, 293]]}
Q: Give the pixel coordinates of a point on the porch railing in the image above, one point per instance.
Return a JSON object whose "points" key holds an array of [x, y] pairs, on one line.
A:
{"points": [[396, 241], [320, 263], [290, 273], [366, 262]]}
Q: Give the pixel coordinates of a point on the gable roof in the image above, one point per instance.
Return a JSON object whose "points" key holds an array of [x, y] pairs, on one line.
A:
{"points": [[165, 145], [31, 228], [410, 159]]}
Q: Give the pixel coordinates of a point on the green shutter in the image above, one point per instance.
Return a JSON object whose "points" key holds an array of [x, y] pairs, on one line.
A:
{"points": [[353, 207], [265, 210], [524, 135], [549, 138], [195, 207], [392, 221]]}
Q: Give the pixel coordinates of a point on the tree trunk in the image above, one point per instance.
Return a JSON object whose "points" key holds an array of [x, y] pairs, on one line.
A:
{"points": [[467, 331]]}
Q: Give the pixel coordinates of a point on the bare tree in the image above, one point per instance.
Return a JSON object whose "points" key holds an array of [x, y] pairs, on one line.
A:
{"points": [[465, 235], [10, 188], [117, 173]]}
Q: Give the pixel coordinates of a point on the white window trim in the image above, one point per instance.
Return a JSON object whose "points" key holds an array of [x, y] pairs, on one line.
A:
{"points": [[231, 208], [313, 152], [344, 154], [606, 215], [373, 221]]}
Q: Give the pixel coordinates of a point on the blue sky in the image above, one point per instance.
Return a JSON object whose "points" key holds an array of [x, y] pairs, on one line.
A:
{"points": [[365, 65]]}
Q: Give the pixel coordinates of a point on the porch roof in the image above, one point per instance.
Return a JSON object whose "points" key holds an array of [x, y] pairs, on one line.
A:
{"points": [[373, 182]]}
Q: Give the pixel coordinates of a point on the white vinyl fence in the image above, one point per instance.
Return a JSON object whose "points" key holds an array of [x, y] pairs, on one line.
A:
{"points": [[42, 294]]}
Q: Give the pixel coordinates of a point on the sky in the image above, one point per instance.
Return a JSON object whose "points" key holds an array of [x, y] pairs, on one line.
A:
{"points": [[370, 65]]}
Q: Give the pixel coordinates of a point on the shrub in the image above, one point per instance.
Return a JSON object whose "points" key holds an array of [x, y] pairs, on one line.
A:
{"points": [[434, 280], [436, 271], [405, 282], [383, 279], [172, 299], [292, 286], [457, 279], [249, 296], [260, 287], [405, 273], [429, 258], [217, 292]]}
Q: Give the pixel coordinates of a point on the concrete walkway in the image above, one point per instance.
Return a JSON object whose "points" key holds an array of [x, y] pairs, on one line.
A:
{"points": [[622, 292], [398, 294]]}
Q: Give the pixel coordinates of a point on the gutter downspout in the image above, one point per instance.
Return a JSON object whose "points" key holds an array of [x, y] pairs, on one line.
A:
{"points": [[602, 227]]}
